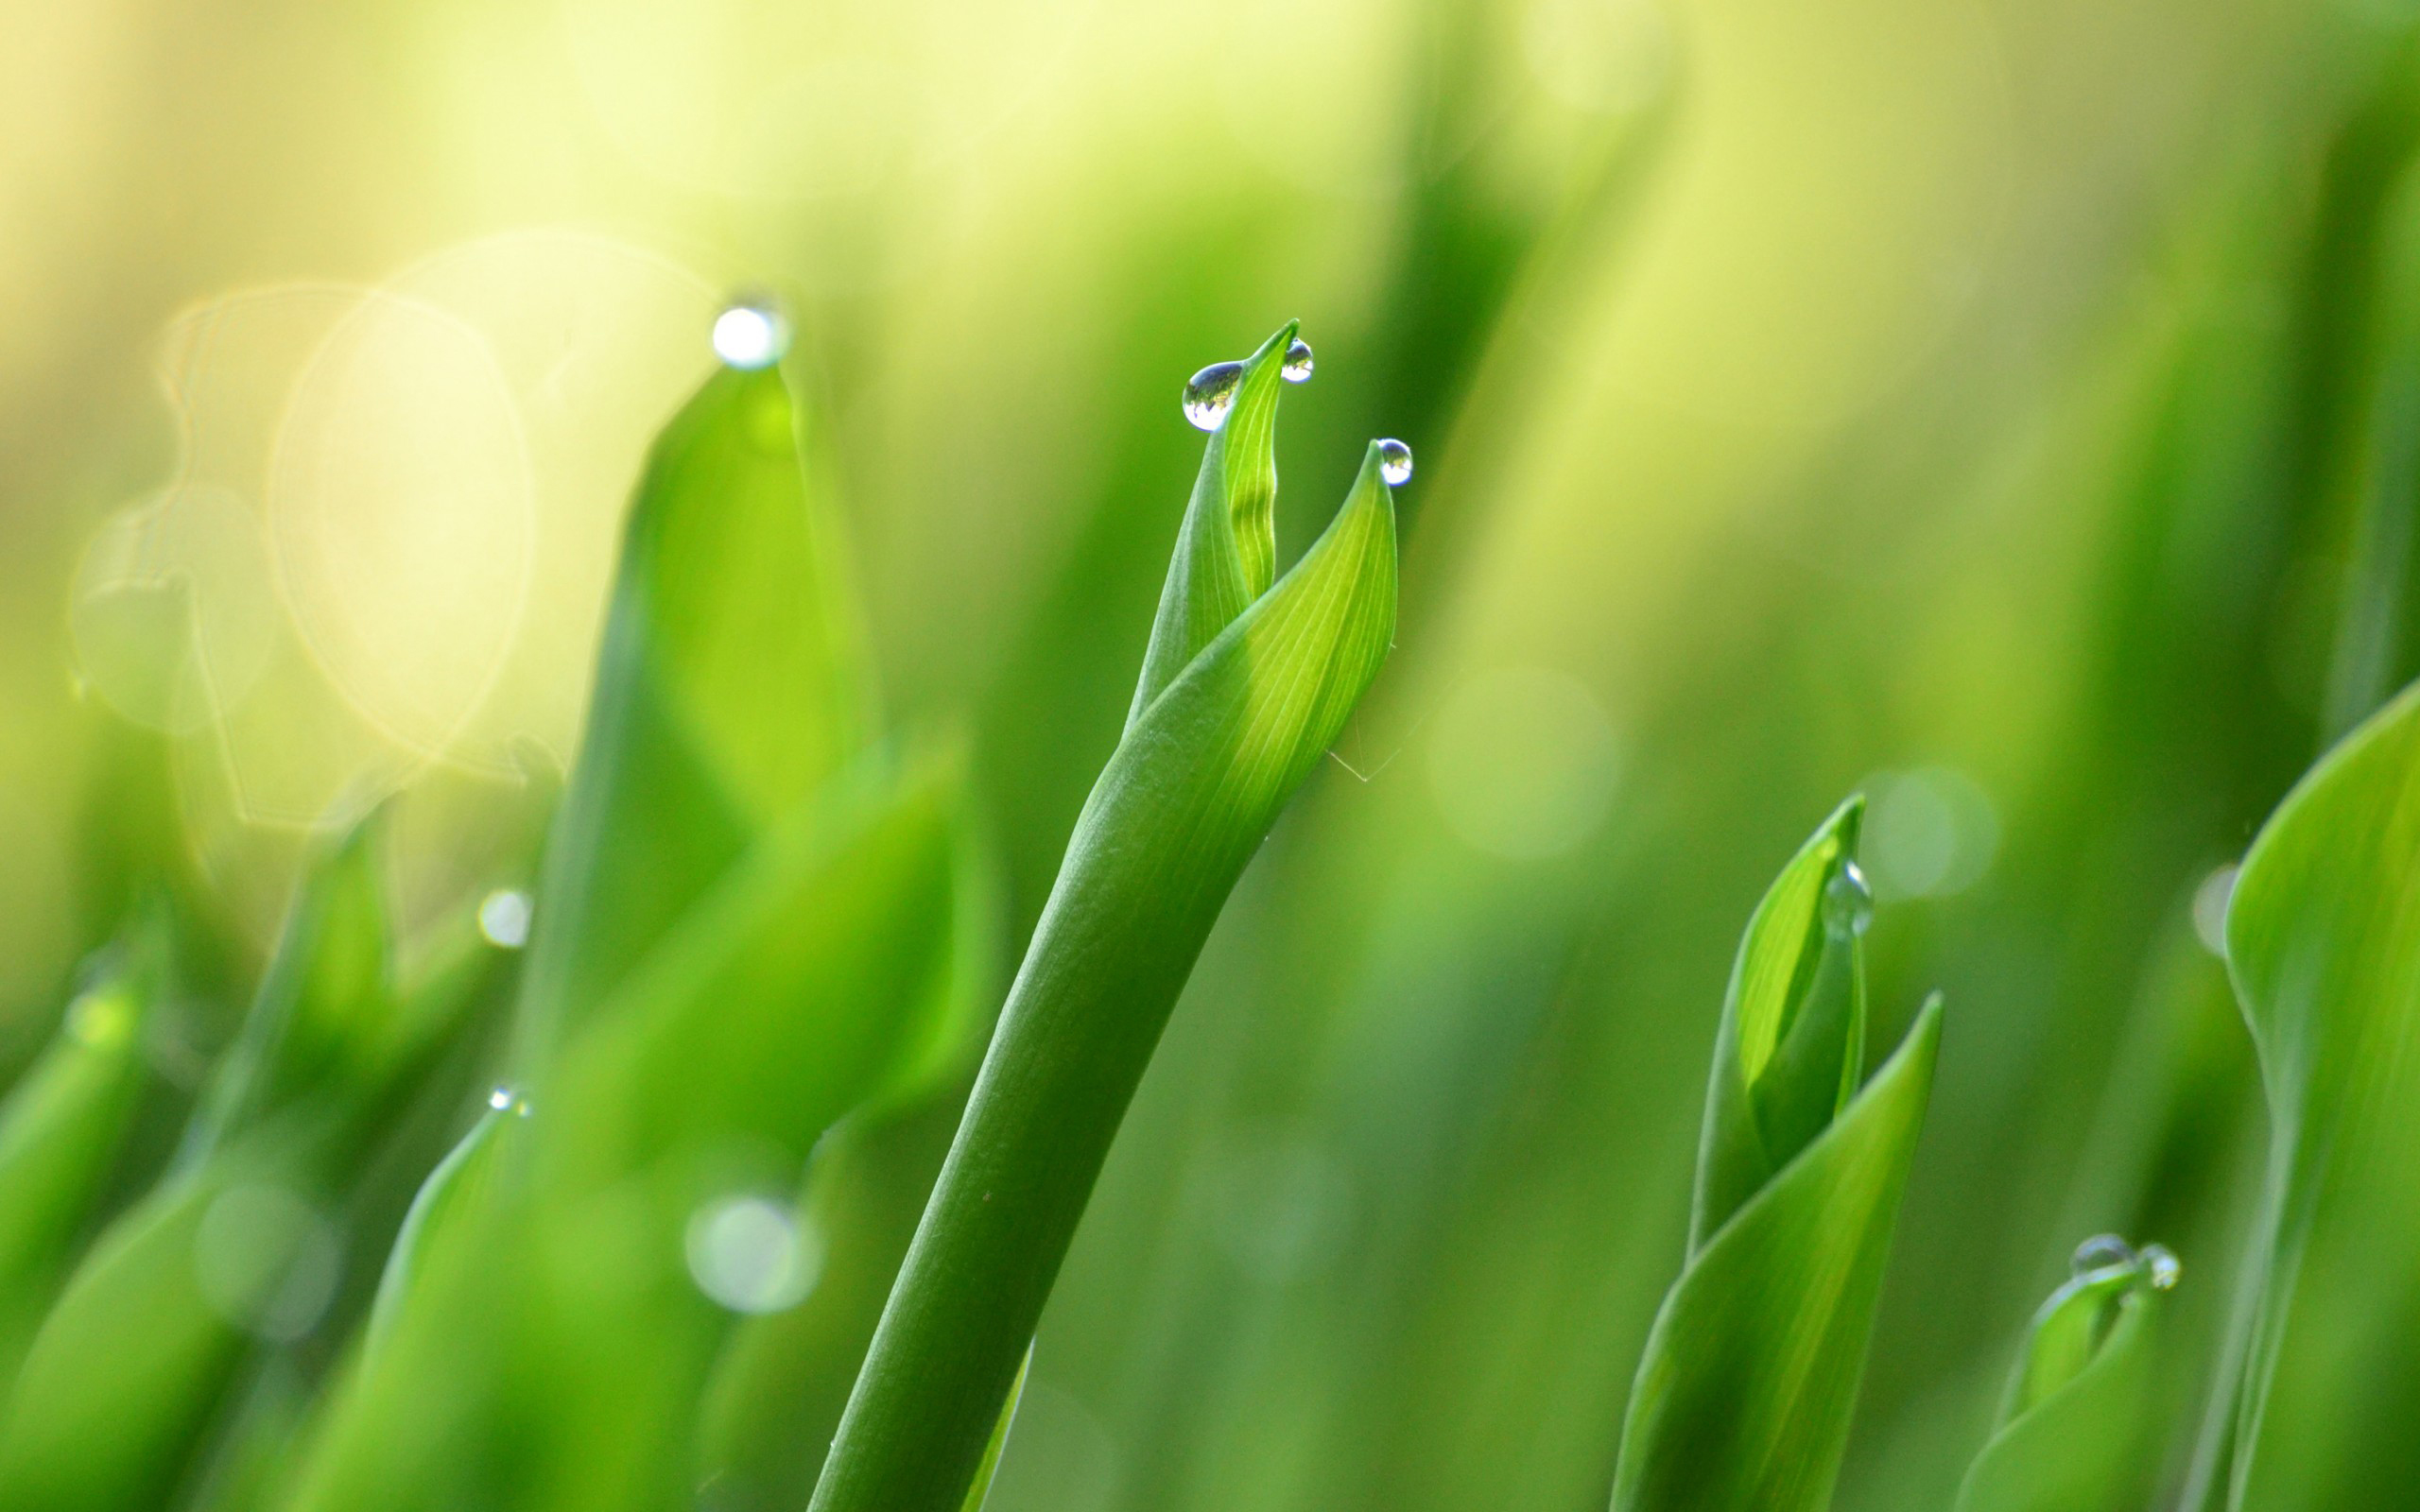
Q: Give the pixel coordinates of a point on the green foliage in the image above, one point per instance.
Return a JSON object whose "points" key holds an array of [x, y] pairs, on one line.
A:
{"points": [[2323, 943], [823, 954], [62, 1124], [727, 691], [1207, 762], [2071, 1428], [1749, 1375], [234, 1245]]}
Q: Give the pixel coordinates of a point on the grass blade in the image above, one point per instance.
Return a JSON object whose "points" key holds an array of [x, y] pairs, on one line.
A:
{"points": [[727, 692], [61, 1126], [1749, 1375], [2323, 938], [1185, 800], [2070, 1433], [235, 1246]]}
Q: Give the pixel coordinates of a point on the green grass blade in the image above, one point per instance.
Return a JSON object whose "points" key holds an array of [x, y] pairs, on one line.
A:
{"points": [[2323, 943], [1226, 550], [795, 991], [728, 689], [775, 1400], [806, 982], [989, 1464], [1182, 807], [1749, 1375], [1791, 1047], [449, 1198], [2070, 1434], [61, 1127], [128, 1366], [324, 1003]]}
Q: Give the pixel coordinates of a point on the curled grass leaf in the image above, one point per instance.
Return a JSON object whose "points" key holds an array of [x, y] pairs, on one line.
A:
{"points": [[1749, 1375], [1205, 766], [2070, 1432]]}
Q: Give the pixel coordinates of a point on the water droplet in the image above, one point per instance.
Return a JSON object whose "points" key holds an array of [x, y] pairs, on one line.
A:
{"points": [[2100, 1252], [1210, 393], [2161, 1267], [1848, 902], [503, 918], [751, 336], [1297, 368], [1394, 463], [753, 1255]]}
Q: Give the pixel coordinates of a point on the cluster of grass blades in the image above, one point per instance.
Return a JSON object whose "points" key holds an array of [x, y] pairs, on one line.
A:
{"points": [[684, 1253], [761, 960]]}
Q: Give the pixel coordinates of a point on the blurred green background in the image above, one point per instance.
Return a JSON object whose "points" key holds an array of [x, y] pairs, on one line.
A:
{"points": [[1981, 404]]}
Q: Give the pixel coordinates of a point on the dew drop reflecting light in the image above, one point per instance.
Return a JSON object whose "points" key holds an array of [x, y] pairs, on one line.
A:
{"points": [[751, 336], [1210, 393], [2100, 1252], [503, 918], [1299, 362], [1394, 463], [1848, 902], [2161, 1267]]}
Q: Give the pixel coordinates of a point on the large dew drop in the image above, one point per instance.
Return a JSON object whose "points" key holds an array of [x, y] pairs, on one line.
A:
{"points": [[1394, 463], [1297, 368], [2101, 1252], [751, 336], [1848, 902], [503, 918], [1210, 393]]}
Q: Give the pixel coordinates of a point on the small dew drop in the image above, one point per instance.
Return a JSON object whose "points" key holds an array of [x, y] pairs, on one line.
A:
{"points": [[1210, 393], [1298, 365], [2101, 1252], [1848, 902], [1394, 463], [503, 918], [751, 336], [2161, 1267], [500, 1099]]}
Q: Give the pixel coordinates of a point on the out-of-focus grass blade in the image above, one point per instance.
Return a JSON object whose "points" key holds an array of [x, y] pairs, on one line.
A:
{"points": [[61, 1126], [815, 969], [2070, 1433], [782, 1380], [2323, 942], [799, 986], [1749, 1375], [236, 1245], [778, 1389], [727, 691], [452, 1196], [328, 992], [1185, 803]]}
